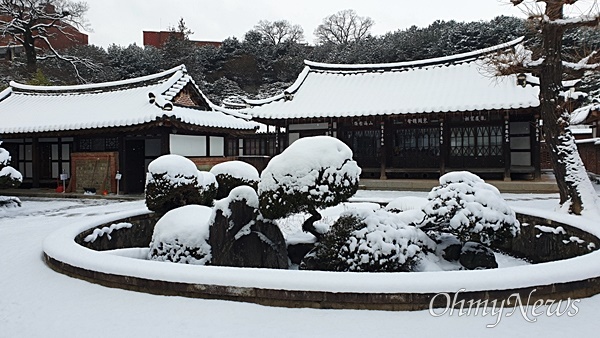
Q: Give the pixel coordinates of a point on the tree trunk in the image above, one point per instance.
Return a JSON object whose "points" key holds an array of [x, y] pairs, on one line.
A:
{"points": [[576, 190], [309, 226], [30, 53]]}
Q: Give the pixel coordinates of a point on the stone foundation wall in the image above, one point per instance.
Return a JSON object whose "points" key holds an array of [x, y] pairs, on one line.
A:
{"points": [[138, 236], [533, 244], [537, 246]]}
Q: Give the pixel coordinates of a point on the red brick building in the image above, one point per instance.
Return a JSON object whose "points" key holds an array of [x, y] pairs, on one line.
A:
{"points": [[158, 39], [65, 37]]}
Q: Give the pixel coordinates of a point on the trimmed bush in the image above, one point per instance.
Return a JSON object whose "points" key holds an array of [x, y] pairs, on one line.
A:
{"points": [[233, 174], [369, 241], [173, 181], [470, 209], [209, 187], [9, 176], [313, 172]]}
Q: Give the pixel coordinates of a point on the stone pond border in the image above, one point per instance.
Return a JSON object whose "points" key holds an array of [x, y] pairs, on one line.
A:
{"points": [[570, 278]]}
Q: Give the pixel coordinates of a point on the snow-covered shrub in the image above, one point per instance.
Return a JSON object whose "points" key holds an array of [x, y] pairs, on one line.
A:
{"points": [[209, 185], [9, 176], [172, 182], [369, 241], [472, 210], [406, 203], [233, 174], [181, 236], [313, 172]]}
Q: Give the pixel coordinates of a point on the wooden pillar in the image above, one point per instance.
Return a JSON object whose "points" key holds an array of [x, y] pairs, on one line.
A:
{"points": [[165, 141], [35, 162], [121, 164], [506, 147], [383, 152]]}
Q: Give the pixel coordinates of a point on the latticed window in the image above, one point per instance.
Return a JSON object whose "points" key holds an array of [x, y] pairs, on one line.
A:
{"points": [[364, 143], [476, 141], [422, 140], [255, 147], [111, 143], [85, 144]]}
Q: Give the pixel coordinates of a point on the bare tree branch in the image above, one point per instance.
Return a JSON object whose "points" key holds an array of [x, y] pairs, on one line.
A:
{"points": [[280, 31], [343, 27], [39, 23]]}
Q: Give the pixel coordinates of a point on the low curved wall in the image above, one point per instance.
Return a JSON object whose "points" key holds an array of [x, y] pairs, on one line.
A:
{"points": [[569, 278]]}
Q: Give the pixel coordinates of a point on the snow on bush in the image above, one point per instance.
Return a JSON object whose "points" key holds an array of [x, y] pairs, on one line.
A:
{"points": [[172, 182], [233, 174], [313, 172], [9, 177], [467, 207], [369, 241], [209, 187], [406, 203], [181, 236]]}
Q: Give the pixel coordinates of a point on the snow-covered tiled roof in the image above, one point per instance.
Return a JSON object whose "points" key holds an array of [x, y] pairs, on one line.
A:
{"points": [[463, 82], [581, 115], [27, 109]]}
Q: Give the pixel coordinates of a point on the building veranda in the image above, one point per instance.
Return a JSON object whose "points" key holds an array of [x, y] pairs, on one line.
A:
{"points": [[92, 132], [416, 119], [413, 119]]}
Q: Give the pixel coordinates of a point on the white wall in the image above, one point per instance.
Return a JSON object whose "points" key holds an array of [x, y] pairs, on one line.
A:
{"points": [[217, 146], [186, 145]]}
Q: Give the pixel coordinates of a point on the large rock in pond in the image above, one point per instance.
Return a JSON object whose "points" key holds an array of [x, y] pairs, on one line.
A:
{"points": [[477, 256], [241, 237]]}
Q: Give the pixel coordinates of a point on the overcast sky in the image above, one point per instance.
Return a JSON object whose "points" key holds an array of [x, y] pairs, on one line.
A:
{"points": [[122, 21]]}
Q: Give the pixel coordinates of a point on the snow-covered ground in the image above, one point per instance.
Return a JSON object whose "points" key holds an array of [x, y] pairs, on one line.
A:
{"points": [[38, 302]]}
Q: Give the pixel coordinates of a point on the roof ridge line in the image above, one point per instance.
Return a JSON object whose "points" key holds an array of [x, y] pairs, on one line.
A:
{"points": [[410, 64], [98, 86]]}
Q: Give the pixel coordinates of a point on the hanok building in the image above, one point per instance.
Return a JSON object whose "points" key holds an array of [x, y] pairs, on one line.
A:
{"points": [[91, 132], [414, 119]]}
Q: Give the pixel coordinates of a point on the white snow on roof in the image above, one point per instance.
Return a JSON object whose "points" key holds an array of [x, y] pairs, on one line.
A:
{"points": [[580, 115], [456, 83], [25, 108]]}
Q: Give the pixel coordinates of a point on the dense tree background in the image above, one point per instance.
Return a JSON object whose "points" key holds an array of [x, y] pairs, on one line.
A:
{"points": [[270, 56]]}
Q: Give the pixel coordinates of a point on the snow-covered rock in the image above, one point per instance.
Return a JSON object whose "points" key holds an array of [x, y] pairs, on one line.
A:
{"points": [[240, 236], [181, 236]]}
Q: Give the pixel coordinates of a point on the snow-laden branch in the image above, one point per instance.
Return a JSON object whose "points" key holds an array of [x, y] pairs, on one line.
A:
{"points": [[587, 63], [518, 60], [74, 61], [580, 21]]}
